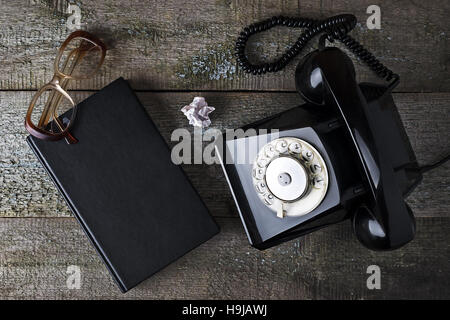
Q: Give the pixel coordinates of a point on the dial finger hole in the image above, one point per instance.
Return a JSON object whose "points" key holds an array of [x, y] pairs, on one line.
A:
{"points": [[295, 147], [315, 168], [262, 162], [282, 146], [318, 182], [258, 173], [307, 155], [269, 199], [261, 187], [270, 151]]}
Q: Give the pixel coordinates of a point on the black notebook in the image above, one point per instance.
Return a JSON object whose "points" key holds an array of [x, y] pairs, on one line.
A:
{"points": [[138, 208]]}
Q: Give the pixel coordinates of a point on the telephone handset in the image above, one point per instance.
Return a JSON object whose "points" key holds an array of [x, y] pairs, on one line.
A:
{"points": [[383, 220], [344, 154]]}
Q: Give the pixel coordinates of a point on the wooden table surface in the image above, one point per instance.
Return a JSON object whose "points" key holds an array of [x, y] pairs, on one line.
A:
{"points": [[171, 51]]}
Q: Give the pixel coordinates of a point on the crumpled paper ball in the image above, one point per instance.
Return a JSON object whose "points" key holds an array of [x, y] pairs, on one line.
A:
{"points": [[198, 112]]}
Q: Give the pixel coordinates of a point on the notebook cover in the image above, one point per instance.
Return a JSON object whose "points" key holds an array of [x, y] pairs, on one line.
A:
{"points": [[138, 208]]}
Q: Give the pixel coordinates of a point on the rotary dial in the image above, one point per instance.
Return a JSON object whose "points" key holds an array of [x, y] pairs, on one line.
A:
{"points": [[290, 176]]}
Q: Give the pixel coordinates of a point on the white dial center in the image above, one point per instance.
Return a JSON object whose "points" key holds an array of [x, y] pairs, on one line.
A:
{"points": [[286, 178]]}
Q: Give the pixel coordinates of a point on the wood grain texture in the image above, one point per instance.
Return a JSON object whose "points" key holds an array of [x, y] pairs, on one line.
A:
{"points": [[329, 264], [173, 44], [26, 191]]}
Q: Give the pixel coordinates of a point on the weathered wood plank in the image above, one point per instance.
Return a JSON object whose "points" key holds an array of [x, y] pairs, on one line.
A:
{"points": [[27, 191], [329, 264], [172, 44]]}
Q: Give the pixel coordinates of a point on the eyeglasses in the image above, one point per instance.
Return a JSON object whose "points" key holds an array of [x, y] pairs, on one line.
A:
{"points": [[79, 57]]}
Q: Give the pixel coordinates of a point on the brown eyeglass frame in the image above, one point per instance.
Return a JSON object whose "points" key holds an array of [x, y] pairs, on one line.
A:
{"points": [[59, 83]]}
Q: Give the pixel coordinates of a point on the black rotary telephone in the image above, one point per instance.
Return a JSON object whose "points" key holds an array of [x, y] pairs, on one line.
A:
{"points": [[343, 154]]}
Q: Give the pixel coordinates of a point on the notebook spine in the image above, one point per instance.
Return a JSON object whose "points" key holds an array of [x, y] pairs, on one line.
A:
{"points": [[77, 216]]}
